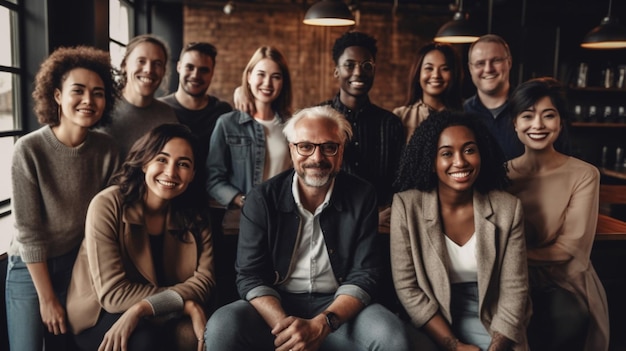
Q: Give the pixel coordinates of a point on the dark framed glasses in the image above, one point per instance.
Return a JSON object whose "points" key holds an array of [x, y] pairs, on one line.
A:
{"points": [[365, 66], [308, 149]]}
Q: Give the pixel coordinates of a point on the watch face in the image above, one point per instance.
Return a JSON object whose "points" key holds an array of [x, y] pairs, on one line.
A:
{"points": [[332, 320]]}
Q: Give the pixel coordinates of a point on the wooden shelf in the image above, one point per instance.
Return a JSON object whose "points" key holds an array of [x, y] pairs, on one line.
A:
{"points": [[598, 89], [599, 124]]}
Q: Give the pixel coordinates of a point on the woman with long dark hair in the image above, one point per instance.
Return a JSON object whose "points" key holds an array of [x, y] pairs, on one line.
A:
{"points": [[144, 273], [435, 85]]}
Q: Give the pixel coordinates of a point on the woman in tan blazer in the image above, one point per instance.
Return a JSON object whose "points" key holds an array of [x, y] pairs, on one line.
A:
{"points": [[145, 269], [458, 254]]}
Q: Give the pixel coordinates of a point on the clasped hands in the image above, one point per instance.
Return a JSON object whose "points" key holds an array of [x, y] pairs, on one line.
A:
{"points": [[298, 334], [117, 336]]}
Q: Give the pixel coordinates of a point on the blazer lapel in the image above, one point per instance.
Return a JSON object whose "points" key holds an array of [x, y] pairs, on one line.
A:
{"points": [[485, 243], [434, 232]]}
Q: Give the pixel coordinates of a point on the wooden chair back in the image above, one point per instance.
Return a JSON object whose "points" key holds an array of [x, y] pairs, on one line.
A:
{"points": [[610, 228]]}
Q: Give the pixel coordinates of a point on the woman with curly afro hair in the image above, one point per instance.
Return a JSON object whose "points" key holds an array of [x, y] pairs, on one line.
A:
{"points": [[56, 170], [457, 239]]}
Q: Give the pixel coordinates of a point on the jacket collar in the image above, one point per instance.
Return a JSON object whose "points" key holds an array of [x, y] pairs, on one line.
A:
{"points": [[246, 118]]}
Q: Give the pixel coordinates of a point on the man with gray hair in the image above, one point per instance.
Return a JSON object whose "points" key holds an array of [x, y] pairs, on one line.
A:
{"points": [[307, 261]]}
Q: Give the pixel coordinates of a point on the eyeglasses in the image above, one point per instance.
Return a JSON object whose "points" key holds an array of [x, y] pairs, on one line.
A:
{"points": [[308, 149], [496, 61], [365, 66]]}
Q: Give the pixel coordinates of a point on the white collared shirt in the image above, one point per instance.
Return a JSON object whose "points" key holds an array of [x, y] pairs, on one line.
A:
{"points": [[312, 272]]}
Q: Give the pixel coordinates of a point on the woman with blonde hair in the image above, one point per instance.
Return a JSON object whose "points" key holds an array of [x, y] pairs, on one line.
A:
{"points": [[249, 149]]}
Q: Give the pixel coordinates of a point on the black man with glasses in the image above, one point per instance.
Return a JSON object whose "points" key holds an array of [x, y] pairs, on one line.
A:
{"points": [[307, 262], [374, 151]]}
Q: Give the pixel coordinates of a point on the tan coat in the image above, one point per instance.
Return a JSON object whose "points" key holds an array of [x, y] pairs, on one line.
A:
{"points": [[419, 261], [114, 268]]}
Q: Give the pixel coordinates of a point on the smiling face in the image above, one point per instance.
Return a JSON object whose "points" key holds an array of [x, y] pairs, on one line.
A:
{"points": [[435, 74], [145, 69], [316, 170], [82, 98], [265, 81], [354, 80], [539, 126], [169, 173], [195, 72], [489, 66], [457, 163]]}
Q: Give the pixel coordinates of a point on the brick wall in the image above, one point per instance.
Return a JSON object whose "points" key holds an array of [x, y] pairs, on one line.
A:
{"points": [[308, 48]]}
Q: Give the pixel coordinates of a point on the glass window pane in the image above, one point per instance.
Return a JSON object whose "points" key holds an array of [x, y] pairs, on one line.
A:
{"points": [[117, 53], [7, 37], [7, 229], [6, 145], [8, 113], [119, 21]]}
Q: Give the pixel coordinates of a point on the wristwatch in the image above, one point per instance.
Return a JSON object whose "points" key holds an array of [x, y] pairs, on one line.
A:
{"points": [[332, 320]]}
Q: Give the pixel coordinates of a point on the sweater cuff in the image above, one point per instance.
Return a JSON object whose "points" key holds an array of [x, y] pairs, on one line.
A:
{"points": [[165, 302]]}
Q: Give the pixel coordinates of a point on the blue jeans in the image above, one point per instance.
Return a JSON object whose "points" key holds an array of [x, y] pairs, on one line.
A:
{"points": [[466, 323], [25, 328], [239, 327]]}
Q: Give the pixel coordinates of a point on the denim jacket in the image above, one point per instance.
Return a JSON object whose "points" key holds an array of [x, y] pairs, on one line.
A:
{"points": [[236, 156], [271, 228]]}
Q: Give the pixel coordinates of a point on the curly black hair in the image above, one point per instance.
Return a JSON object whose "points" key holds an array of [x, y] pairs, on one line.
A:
{"points": [[417, 164], [354, 38]]}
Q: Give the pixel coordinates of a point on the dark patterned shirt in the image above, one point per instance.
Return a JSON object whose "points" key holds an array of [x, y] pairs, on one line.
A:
{"points": [[374, 151]]}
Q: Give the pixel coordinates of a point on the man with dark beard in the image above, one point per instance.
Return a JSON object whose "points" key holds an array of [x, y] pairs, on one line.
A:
{"points": [[307, 263]]}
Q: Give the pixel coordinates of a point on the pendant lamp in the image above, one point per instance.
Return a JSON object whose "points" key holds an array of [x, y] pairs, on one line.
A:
{"points": [[458, 31], [608, 35], [329, 13]]}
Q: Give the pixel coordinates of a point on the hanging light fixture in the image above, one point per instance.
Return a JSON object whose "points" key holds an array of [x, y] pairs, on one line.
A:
{"points": [[608, 35], [458, 31], [329, 13]]}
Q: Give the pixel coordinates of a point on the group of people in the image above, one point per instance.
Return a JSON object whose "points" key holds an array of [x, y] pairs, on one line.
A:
{"points": [[121, 198]]}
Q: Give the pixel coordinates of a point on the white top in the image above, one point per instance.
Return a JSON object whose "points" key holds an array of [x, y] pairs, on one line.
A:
{"points": [[312, 271], [277, 158], [462, 266]]}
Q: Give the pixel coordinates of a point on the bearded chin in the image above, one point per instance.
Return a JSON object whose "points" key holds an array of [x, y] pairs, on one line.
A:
{"points": [[317, 180]]}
